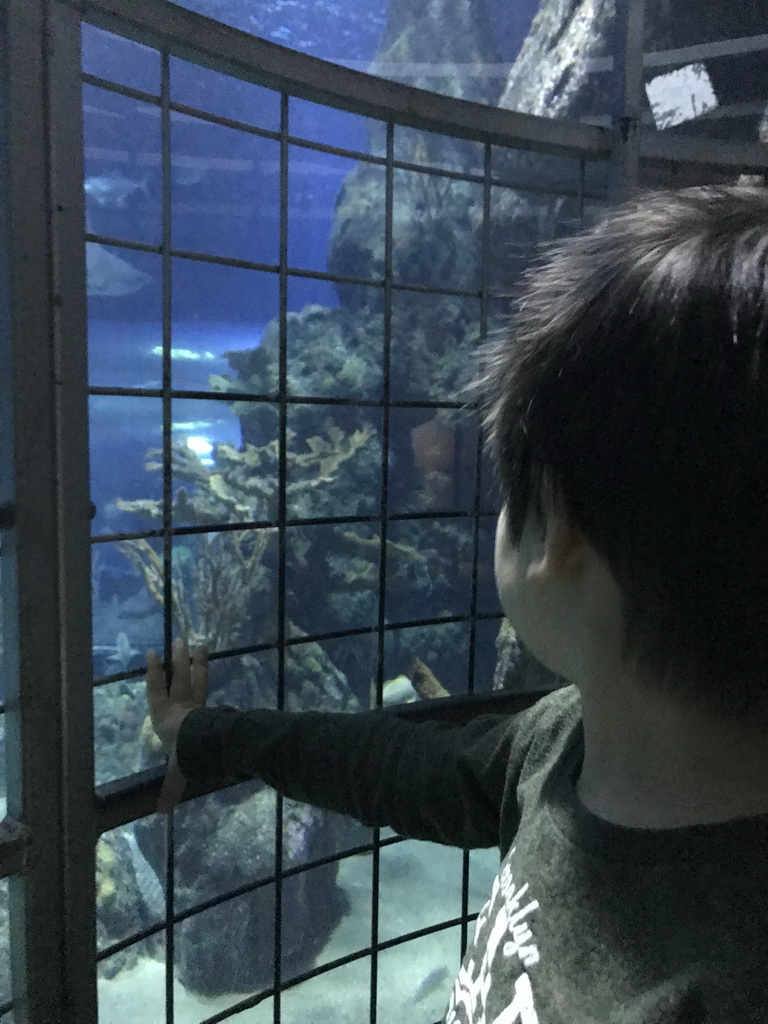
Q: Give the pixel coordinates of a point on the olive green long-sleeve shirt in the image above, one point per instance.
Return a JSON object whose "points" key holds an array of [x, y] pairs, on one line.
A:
{"points": [[588, 922]]}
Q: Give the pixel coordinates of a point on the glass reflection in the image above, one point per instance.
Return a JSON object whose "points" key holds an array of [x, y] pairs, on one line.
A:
{"points": [[434, 338], [424, 574], [233, 211], [432, 457], [442, 649], [122, 168], [212, 91], [435, 231], [125, 491], [120, 60], [415, 978], [217, 310], [334, 461], [315, 181]]}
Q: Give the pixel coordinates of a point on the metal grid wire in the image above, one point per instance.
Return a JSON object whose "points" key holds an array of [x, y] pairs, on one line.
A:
{"points": [[284, 400]]}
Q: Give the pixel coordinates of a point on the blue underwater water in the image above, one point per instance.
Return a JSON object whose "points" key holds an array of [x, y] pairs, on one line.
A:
{"points": [[222, 203]]}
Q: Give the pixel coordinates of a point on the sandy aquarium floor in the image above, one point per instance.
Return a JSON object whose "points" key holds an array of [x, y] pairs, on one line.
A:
{"points": [[420, 885]]}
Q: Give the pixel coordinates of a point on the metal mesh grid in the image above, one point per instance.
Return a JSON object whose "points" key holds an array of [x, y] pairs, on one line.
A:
{"points": [[168, 531]]}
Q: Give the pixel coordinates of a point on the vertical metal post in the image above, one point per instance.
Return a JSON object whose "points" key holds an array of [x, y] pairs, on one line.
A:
{"points": [[628, 85], [30, 557], [72, 483]]}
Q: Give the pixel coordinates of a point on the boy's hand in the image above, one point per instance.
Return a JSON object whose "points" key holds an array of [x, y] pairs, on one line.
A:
{"points": [[189, 688]]}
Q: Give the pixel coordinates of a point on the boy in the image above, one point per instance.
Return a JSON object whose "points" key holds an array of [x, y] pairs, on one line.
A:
{"points": [[627, 411]]}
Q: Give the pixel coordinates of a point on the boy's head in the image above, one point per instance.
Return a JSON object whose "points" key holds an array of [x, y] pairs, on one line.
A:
{"points": [[634, 381]]}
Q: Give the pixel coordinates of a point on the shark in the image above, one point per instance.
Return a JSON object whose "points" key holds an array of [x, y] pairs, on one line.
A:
{"points": [[111, 275]]}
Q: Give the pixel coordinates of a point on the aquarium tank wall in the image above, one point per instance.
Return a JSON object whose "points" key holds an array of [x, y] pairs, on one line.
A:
{"points": [[252, 250]]}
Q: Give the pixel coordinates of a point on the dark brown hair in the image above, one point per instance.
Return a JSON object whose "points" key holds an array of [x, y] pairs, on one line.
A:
{"points": [[635, 371]]}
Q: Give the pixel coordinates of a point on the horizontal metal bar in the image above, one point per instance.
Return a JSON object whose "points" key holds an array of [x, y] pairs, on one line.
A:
{"points": [[706, 51], [193, 37], [126, 800], [309, 638], [244, 396], [270, 524], [663, 147], [319, 147]]}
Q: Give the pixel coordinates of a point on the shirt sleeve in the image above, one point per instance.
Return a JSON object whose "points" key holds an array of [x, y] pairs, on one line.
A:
{"points": [[435, 781]]}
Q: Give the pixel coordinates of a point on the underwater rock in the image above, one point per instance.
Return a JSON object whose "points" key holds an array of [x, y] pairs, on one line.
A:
{"points": [[120, 908], [516, 668], [227, 840], [457, 30]]}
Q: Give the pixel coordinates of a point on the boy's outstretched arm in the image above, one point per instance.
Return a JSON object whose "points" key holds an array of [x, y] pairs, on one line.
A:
{"points": [[433, 781]]}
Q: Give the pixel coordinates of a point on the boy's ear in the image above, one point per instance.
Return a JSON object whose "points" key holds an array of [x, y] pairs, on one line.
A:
{"points": [[560, 544]]}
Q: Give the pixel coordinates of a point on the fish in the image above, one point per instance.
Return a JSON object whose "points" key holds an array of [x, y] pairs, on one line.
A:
{"points": [[112, 189], [428, 985], [398, 691], [187, 174], [123, 652], [111, 275]]}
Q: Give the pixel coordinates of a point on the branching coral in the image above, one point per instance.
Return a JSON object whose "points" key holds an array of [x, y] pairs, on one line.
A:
{"points": [[213, 592], [211, 598]]}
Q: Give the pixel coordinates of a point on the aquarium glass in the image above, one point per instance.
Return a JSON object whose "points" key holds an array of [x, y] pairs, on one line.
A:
{"points": [[432, 460], [423, 574], [419, 886], [339, 995], [705, 72], [658, 174], [217, 312], [483, 867], [236, 215], [222, 596], [120, 60], [486, 654], [345, 594], [223, 841], [225, 97], [433, 341], [131, 985], [490, 52], [442, 647], [415, 978], [314, 122], [122, 177], [130, 899], [246, 332], [331, 354], [5, 945]]}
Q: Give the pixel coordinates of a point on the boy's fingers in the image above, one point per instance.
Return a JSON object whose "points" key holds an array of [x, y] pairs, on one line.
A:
{"points": [[157, 694], [199, 676], [181, 689]]}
